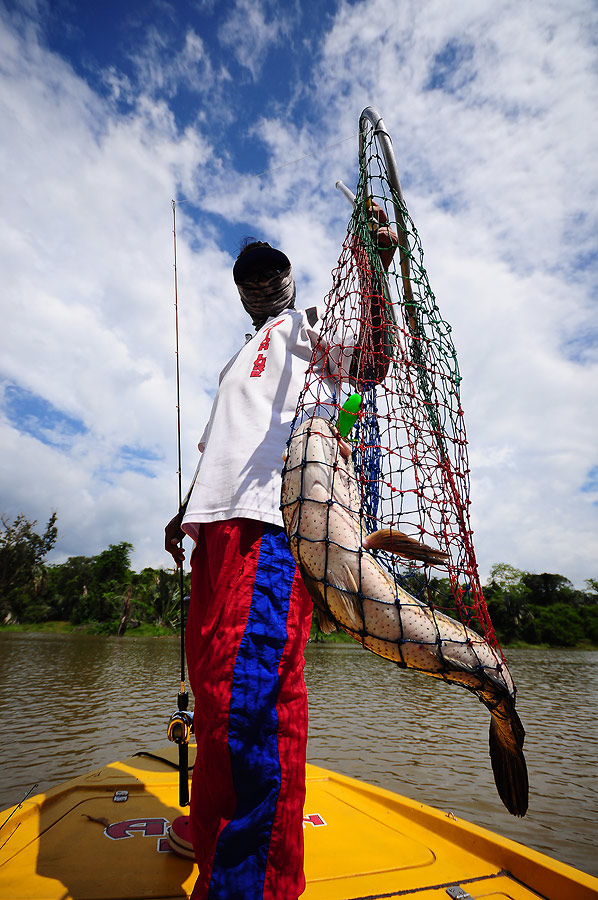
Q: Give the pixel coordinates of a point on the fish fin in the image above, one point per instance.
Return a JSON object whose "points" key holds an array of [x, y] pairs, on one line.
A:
{"points": [[325, 622], [394, 541], [506, 755], [345, 595]]}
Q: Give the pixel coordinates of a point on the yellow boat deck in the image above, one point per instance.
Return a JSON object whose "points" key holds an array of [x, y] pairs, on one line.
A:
{"points": [[80, 841]]}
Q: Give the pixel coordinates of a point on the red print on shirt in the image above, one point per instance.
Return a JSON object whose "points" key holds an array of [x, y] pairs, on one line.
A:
{"points": [[259, 363]]}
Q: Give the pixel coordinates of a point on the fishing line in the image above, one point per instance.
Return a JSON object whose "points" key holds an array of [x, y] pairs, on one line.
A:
{"points": [[307, 156], [178, 434], [291, 162], [181, 721]]}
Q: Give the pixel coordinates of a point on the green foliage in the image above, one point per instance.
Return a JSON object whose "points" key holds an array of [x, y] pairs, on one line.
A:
{"points": [[592, 592], [558, 625], [508, 601], [547, 589], [541, 609], [156, 596], [100, 592], [589, 617], [91, 588], [22, 573], [103, 594]]}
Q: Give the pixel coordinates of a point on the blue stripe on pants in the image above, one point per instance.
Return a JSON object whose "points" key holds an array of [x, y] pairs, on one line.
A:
{"points": [[242, 851]]}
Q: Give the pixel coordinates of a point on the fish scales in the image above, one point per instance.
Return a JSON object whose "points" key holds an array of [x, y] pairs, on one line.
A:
{"points": [[321, 508]]}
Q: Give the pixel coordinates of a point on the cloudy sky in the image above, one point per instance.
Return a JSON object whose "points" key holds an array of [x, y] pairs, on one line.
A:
{"points": [[109, 110]]}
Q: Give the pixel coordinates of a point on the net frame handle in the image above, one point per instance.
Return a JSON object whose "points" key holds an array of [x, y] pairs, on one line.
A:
{"points": [[373, 117], [370, 117]]}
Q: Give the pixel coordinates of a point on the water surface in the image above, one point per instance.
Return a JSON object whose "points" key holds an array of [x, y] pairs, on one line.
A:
{"points": [[70, 703]]}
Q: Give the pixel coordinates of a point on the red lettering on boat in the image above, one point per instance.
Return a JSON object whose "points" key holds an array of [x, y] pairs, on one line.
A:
{"points": [[148, 827]]}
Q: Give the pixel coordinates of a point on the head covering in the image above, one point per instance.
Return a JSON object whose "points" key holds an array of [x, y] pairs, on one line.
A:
{"points": [[264, 279]]}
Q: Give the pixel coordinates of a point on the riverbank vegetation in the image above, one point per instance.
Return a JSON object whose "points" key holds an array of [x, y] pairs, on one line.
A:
{"points": [[99, 594], [103, 595]]}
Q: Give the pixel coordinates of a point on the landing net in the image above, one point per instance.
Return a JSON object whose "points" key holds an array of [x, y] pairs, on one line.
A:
{"points": [[409, 443]]}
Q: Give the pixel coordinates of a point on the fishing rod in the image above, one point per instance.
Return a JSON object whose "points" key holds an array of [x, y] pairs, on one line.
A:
{"points": [[11, 814], [180, 723]]}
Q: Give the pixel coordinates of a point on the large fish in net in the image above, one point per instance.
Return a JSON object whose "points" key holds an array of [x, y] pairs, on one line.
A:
{"points": [[378, 523]]}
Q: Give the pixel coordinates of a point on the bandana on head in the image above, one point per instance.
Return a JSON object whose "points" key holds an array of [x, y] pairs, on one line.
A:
{"points": [[264, 279], [268, 298]]}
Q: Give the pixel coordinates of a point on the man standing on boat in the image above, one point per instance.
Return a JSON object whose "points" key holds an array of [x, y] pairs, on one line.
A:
{"points": [[250, 614]]}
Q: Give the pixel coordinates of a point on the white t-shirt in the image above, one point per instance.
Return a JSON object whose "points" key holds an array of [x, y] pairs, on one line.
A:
{"points": [[241, 463]]}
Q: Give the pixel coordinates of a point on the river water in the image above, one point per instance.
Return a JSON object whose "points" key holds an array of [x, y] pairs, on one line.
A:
{"points": [[70, 703]]}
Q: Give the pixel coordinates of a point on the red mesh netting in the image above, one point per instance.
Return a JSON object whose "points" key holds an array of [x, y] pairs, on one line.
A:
{"points": [[378, 521]]}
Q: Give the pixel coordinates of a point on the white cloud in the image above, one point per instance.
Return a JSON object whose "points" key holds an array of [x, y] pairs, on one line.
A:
{"points": [[165, 65], [498, 173], [249, 32], [506, 146], [88, 298]]}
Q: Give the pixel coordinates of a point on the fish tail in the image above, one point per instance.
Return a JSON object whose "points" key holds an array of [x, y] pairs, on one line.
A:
{"points": [[506, 755]]}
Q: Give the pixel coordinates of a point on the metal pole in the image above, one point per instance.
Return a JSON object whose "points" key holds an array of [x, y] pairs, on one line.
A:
{"points": [[372, 117]]}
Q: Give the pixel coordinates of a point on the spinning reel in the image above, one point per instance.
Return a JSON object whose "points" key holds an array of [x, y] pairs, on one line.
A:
{"points": [[180, 727]]}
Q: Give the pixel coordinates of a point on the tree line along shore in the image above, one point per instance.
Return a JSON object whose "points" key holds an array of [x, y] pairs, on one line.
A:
{"points": [[103, 595]]}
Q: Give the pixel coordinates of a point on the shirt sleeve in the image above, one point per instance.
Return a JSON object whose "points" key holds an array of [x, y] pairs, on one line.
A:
{"points": [[336, 346]]}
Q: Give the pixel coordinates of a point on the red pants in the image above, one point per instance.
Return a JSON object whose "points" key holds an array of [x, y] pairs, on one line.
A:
{"points": [[249, 620]]}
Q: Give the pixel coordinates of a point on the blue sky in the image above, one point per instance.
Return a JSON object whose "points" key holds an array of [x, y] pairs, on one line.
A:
{"points": [[109, 110]]}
